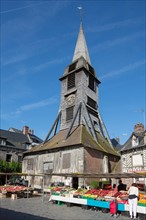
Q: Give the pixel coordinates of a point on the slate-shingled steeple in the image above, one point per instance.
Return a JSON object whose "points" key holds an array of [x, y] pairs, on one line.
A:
{"points": [[81, 47], [79, 96]]}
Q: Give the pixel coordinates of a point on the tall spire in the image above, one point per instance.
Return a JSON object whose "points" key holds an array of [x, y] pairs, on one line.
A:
{"points": [[81, 46]]}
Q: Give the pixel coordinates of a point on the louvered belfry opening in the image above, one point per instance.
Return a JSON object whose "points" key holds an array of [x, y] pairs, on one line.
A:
{"points": [[69, 113], [71, 81]]}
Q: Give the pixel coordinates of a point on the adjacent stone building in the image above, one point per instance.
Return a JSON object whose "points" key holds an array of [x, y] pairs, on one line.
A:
{"points": [[78, 141], [14, 142], [133, 152]]}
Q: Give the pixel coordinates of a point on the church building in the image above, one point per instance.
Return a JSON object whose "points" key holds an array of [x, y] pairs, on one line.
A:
{"points": [[78, 141]]}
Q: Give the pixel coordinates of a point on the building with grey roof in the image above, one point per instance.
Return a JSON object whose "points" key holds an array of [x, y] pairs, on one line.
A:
{"points": [[14, 142], [133, 152]]}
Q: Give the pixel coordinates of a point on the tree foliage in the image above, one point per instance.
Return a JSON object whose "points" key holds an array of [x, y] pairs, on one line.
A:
{"points": [[10, 167]]}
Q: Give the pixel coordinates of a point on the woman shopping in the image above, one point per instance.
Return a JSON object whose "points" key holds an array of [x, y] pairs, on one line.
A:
{"points": [[133, 198]]}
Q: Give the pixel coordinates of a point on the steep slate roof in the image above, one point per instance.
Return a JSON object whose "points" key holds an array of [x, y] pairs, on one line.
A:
{"points": [[79, 136], [32, 138], [35, 139], [14, 140], [128, 144], [81, 47]]}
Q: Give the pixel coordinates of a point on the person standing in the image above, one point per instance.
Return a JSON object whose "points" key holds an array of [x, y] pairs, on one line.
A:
{"points": [[67, 182], [121, 186], [132, 199]]}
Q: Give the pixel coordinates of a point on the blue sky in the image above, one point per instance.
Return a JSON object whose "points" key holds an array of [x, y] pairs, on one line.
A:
{"points": [[37, 43]]}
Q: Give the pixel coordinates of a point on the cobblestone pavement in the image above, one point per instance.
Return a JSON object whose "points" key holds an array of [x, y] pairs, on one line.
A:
{"points": [[37, 208]]}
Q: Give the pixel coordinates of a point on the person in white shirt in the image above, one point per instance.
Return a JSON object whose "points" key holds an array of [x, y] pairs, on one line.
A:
{"points": [[133, 198], [67, 182]]}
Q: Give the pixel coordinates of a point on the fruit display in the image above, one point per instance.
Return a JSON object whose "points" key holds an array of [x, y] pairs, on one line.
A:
{"points": [[11, 188], [97, 194], [142, 199]]}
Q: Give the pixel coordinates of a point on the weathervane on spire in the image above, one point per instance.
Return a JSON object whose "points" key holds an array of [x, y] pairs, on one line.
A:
{"points": [[80, 10]]}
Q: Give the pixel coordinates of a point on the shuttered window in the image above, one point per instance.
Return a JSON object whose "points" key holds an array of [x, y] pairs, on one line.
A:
{"points": [[71, 81], [66, 161], [69, 113], [91, 69], [72, 67], [30, 164], [48, 167], [91, 102], [91, 82]]}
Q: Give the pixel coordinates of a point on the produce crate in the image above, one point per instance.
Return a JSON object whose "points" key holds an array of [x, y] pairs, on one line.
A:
{"points": [[142, 204], [2, 195], [55, 194]]}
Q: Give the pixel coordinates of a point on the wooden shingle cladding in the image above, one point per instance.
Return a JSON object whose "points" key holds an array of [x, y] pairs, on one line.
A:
{"points": [[94, 161], [78, 136], [79, 153]]}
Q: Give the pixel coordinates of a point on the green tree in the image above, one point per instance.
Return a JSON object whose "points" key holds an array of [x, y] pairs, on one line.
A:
{"points": [[10, 167]]}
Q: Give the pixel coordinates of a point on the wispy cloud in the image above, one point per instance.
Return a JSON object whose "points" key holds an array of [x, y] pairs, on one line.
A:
{"points": [[21, 8], [113, 25], [24, 70], [29, 107], [124, 69], [111, 43], [36, 105]]}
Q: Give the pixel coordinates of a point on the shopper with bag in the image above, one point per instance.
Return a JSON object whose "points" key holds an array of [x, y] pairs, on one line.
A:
{"points": [[132, 199]]}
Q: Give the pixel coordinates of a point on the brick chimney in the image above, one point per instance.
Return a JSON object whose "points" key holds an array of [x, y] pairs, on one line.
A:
{"points": [[25, 130], [139, 128]]}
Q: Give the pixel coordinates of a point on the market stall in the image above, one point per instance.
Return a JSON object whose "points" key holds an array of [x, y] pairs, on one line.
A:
{"points": [[97, 198], [15, 192]]}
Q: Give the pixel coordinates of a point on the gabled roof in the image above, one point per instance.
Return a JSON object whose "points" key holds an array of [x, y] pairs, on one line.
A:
{"points": [[31, 137], [34, 139], [13, 139], [79, 136], [81, 47], [128, 144]]}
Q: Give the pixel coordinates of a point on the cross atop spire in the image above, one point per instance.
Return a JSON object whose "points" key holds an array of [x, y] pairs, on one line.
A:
{"points": [[81, 46]]}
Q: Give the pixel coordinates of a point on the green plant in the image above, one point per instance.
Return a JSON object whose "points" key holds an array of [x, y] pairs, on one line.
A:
{"points": [[94, 184], [10, 167]]}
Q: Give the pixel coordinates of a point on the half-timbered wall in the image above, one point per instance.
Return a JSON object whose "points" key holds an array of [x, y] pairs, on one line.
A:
{"points": [[134, 160]]}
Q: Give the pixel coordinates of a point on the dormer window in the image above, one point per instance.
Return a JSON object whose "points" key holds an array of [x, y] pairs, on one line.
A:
{"points": [[134, 141], [2, 142]]}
